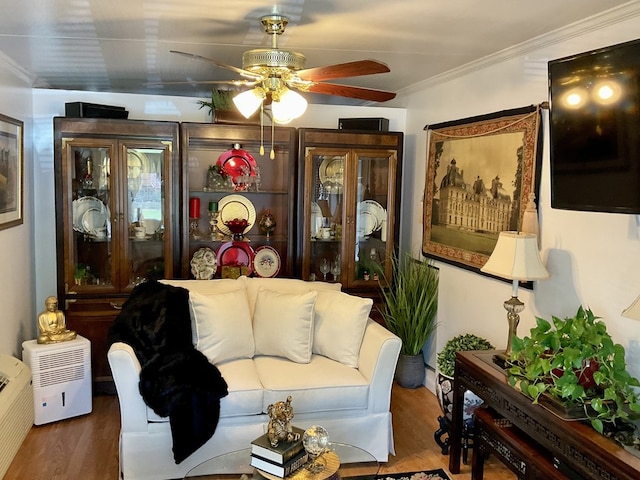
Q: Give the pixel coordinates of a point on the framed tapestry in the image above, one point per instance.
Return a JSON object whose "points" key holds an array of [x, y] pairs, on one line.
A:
{"points": [[481, 172], [11, 172]]}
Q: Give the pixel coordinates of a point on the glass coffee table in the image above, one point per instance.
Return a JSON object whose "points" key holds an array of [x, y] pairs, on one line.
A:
{"points": [[352, 462]]}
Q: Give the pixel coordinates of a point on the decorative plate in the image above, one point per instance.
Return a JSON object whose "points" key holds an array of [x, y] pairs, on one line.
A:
{"points": [[331, 169], [377, 210], [367, 224], [81, 206], [93, 219], [233, 160], [266, 262], [236, 254], [235, 206], [204, 264]]}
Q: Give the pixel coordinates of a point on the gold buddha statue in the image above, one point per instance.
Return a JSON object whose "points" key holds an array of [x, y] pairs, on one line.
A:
{"points": [[52, 325]]}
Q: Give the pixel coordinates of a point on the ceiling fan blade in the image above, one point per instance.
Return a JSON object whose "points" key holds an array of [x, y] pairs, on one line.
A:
{"points": [[238, 83], [343, 70], [351, 92], [244, 73]]}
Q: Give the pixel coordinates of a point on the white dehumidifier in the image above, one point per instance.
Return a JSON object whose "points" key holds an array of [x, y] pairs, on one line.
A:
{"points": [[61, 378]]}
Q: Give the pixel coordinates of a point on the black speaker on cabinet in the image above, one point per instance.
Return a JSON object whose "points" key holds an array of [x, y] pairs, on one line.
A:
{"points": [[375, 124], [93, 110]]}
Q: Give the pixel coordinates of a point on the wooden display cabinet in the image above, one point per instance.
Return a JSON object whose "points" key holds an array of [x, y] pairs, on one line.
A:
{"points": [[349, 184], [116, 189], [202, 145]]}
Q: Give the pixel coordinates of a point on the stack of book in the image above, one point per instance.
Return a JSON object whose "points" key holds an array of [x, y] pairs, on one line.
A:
{"points": [[280, 461]]}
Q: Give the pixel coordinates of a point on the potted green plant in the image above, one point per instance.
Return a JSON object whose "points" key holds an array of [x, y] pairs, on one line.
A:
{"points": [[575, 365], [410, 304], [223, 110]]}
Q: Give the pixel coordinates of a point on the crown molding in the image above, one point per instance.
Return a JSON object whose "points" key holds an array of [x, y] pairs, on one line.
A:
{"points": [[7, 63], [591, 24]]}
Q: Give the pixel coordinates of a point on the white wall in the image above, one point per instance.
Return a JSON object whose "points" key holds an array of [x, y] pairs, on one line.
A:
{"points": [[50, 103], [16, 243], [593, 258]]}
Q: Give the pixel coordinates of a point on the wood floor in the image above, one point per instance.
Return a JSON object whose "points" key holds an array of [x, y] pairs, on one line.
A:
{"points": [[86, 448]]}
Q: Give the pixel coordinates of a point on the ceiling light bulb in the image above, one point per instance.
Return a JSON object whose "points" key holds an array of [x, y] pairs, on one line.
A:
{"points": [[249, 101], [289, 105]]}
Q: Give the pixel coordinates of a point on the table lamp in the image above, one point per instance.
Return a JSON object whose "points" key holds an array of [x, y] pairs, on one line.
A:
{"points": [[515, 257]]}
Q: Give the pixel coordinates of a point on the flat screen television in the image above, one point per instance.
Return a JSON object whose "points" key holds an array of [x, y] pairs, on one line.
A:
{"points": [[595, 130]]}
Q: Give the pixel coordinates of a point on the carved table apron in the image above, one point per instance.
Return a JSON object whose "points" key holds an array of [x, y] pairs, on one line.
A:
{"points": [[574, 443]]}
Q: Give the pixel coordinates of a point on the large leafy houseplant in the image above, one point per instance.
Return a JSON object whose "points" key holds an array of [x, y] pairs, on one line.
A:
{"points": [[576, 362], [446, 358], [411, 302]]}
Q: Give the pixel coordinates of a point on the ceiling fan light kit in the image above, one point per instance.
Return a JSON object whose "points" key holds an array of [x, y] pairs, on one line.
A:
{"points": [[274, 74]]}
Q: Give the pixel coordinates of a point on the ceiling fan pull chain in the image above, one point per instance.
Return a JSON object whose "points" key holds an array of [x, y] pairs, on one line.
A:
{"points": [[272, 155], [262, 130]]}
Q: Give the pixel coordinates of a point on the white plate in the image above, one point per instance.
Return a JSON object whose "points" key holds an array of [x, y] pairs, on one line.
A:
{"points": [[235, 206], [204, 264], [266, 262], [331, 169], [81, 206], [367, 224], [94, 219], [377, 210]]}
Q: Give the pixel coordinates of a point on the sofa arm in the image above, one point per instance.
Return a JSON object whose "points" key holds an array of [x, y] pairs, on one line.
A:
{"points": [[377, 362], [125, 369]]}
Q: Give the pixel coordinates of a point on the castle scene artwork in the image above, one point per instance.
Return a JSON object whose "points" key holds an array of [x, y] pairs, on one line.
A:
{"points": [[475, 191]]}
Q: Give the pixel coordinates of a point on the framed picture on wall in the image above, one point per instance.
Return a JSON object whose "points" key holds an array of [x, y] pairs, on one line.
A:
{"points": [[11, 172], [481, 172]]}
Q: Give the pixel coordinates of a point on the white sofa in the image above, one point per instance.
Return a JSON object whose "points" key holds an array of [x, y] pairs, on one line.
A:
{"points": [[270, 338]]}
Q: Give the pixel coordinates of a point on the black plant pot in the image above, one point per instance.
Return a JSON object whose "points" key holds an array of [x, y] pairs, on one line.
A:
{"points": [[410, 371]]}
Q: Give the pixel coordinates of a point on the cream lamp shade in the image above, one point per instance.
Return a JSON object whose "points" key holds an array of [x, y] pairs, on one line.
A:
{"points": [[633, 310], [516, 257]]}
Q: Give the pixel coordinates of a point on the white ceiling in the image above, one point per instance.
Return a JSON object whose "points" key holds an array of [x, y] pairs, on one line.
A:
{"points": [[119, 45]]}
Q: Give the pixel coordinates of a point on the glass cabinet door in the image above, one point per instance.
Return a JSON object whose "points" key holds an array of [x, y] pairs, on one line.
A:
{"points": [[88, 205], [325, 207], [375, 173], [145, 212]]}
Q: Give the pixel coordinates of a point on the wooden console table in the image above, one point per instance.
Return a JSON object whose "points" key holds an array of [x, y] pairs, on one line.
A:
{"points": [[573, 444]]}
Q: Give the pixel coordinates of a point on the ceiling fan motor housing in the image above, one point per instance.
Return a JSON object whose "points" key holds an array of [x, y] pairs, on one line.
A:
{"points": [[261, 59]]}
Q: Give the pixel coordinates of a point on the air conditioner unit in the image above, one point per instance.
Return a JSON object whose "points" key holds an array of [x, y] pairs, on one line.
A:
{"points": [[61, 378], [16, 408]]}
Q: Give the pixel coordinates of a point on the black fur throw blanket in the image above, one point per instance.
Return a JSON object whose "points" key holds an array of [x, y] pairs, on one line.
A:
{"points": [[176, 379]]}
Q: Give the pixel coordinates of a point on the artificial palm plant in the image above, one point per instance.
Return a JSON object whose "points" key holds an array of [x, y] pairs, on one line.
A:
{"points": [[411, 302]]}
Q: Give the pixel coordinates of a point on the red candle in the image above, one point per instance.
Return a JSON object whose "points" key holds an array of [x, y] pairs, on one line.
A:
{"points": [[194, 207]]}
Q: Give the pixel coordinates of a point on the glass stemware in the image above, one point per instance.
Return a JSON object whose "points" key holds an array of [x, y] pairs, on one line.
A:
{"points": [[335, 270], [324, 268], [315, 440]]}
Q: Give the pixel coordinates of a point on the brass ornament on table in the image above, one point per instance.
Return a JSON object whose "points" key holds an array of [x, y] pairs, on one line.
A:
{"points": [[279, 428], [52, 324]]}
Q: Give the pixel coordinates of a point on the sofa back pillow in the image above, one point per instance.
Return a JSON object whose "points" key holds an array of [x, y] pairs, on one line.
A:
{"points": [[283, 324], [339, 324], [223, 325], [207, 287], [284, 285]]}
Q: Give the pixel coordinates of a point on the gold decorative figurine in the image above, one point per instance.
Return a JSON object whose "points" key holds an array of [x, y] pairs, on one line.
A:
{"points": [[279, 428], [52, 325]]}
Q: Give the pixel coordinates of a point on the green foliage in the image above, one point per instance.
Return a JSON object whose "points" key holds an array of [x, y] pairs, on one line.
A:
{"points": [[411, 302], [220, 100], [462, 343], [558, 360]]}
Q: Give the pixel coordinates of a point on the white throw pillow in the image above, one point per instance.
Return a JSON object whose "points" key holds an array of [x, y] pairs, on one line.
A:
{"points": [[339, 324], [283, 324], [223, 325], [284, 285]]}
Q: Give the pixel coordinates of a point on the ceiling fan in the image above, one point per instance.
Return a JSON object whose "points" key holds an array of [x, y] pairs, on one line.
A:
{"points": [[275, 75]]}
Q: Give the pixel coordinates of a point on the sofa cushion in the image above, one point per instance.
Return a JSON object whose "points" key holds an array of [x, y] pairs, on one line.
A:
{"points": [[318, 386], [284, 285], [339, 323], [223, 325], [283, 324]]}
